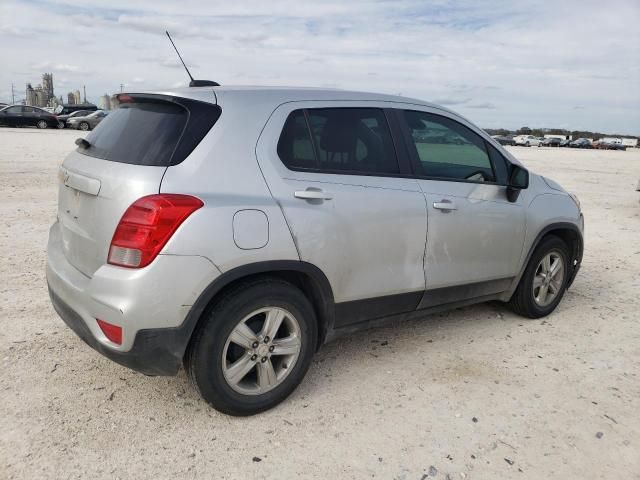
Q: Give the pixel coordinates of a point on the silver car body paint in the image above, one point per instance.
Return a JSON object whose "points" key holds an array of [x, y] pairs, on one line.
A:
{"points": [[376, 236]]}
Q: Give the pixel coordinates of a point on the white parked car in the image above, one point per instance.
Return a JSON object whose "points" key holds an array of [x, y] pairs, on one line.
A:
{"points": [[527, 141]]}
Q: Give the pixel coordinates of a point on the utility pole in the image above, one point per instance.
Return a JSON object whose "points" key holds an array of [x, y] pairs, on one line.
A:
{"points": [[121, 87], [13, 94], [84, 89]]}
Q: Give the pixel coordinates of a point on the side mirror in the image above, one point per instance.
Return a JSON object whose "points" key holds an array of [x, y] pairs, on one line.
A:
{"points": [[518, 180]]}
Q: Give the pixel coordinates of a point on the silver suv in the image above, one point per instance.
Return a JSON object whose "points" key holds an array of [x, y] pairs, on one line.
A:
{"points": [[236, 230]]}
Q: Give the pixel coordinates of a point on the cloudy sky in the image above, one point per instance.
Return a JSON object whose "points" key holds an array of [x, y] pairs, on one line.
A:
{"points": [[567, 64]]}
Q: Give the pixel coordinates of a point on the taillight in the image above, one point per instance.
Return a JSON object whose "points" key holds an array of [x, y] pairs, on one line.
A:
{"points": [[146, 227]]}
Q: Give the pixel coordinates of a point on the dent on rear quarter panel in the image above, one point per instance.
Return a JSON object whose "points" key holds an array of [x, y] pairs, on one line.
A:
{"points": [[223, 172]]}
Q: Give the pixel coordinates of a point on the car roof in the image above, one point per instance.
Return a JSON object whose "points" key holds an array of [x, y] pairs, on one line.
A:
{"points": [[266, 99], [277, 95]]}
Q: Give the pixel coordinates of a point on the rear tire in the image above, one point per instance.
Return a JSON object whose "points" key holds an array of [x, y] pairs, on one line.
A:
{"points": [[41, 124], [540, 292], [218, 351]]}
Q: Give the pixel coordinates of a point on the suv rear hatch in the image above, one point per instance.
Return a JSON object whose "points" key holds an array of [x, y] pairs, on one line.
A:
{"points": [[123, 159]]}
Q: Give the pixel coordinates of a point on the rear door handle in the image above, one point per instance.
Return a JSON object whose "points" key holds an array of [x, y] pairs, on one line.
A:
{"points": [[313, 195], [445, 205]]}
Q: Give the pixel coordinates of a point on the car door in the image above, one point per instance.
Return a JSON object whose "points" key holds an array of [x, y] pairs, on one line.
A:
{"points": [[13, 116], [97, 119], [351, 208], [30, 115], [475, 234]]}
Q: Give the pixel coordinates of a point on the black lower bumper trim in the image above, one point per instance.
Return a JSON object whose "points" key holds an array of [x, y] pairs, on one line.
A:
{"points": [[154, 351]]}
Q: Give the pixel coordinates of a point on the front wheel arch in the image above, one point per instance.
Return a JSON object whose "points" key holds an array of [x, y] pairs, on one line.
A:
{"points": [[570, 234]]}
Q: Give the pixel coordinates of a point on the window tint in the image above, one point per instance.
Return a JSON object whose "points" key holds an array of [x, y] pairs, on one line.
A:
{"points": [[151, 131], [295, 147], [343, 140], [13, 110], [447, 149]]}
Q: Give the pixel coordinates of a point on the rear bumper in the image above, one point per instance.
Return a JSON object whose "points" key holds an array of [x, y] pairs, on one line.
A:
{"points": [[149, 304], [154, 352]]}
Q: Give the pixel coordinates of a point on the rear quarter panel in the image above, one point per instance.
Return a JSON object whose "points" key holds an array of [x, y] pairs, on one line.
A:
{"points": [[224, 173]]}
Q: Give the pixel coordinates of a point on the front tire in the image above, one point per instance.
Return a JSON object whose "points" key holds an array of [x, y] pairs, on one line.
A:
{"points": [[60, 125], [254, 347], [544, 281], [84, 126]]}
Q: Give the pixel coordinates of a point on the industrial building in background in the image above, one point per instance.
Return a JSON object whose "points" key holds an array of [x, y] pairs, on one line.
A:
{"points": [[42, 95], [105, 102]]}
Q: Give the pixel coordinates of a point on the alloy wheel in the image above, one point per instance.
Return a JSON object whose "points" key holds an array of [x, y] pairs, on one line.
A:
{"points": [[261, 351], [548, 279]]}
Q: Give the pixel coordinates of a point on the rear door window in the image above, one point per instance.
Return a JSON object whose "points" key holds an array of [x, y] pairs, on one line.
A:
{"points": [[339, 140], [151, 131], [295, 146], [447, 149]]}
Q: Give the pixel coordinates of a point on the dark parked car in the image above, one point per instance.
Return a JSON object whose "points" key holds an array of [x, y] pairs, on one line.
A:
{"points": [[502, 140], [565, 143], [551, 142], [581, 143], [78, 113], [70, 108], [26, 116], [609, 146]]}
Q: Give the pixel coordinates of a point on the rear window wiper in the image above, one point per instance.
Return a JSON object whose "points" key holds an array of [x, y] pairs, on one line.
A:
{"points": [[83, 143]]}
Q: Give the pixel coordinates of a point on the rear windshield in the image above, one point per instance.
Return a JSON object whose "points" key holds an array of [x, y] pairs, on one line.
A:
{"points": [[151, 131]]}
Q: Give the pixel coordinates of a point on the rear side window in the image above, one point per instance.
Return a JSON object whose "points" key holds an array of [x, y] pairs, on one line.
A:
{"points": [[338, 140], [295, 146], [151, 130], [448, 149]]}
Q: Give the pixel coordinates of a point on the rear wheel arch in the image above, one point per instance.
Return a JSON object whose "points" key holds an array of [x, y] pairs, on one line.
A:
{"points": [[305, 276]]}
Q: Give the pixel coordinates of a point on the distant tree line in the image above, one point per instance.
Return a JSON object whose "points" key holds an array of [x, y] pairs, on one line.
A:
{"points": [[541, 132]]}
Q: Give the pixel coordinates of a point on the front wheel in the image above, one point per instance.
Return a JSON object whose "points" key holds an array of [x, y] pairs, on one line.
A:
{"points": [[254, 347], [60, 125], [544, 280], [41, 124], [83, 126]]}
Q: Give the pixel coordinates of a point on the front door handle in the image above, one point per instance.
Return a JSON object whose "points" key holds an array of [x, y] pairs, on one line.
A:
{"points": [[313, 195], [445, 205]]}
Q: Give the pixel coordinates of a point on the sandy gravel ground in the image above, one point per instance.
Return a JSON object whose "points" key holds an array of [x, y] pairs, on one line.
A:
{"points": [[476, 393]]}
